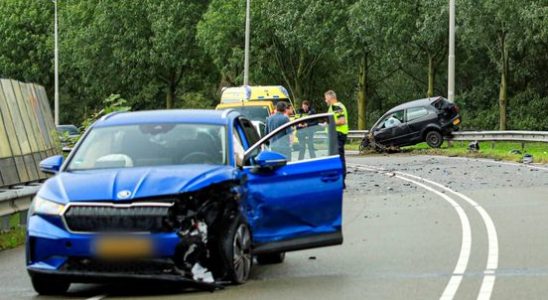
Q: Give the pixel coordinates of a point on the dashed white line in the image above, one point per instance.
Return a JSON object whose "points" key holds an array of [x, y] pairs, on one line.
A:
{"points": [[488, 282]]}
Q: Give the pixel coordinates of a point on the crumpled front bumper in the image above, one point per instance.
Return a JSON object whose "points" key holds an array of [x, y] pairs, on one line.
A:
{"points": [[100, 277], [50, 248]]}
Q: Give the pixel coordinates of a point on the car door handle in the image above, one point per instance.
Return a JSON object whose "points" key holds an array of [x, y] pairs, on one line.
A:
{"points": [[330, 176]]}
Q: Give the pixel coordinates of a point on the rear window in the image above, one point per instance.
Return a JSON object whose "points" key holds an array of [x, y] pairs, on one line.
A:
{"points": [[441, 104], [416, 112]]}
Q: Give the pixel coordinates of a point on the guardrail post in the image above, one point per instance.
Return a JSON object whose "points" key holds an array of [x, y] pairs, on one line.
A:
{"points": [[23, 217], [5, 223], [493, 143]]}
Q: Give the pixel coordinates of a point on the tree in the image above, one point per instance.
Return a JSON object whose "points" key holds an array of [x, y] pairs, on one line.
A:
{"points": [[140, 48], [221, 35], [26, 32], [493, 26], [289, 38], [361, 45]]}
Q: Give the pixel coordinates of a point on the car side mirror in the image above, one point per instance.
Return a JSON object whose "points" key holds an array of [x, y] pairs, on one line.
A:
{"points": [[52, 164], [270, 160]]}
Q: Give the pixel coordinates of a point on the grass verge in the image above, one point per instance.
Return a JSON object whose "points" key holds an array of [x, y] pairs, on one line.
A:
{"points": [[509, 151], [14, 237]]}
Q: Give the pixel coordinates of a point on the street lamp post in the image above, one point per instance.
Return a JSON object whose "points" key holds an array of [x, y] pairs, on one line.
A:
{"points": [[247, 36], [56, 67], [451, 63]]}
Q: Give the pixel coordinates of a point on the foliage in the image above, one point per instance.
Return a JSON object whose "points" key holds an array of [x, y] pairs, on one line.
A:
{"points": [[374, 54], [114, 103]]}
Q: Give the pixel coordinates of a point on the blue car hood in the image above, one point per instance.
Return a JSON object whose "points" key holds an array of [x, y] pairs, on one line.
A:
{"points": [[132, 183]]}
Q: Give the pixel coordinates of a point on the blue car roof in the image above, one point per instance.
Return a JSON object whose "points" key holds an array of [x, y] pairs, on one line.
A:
{"points": [[213, 117]]}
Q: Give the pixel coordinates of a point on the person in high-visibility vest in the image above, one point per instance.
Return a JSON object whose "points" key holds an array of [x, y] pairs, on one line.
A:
{"points": [[305, 130], [341, 124]]}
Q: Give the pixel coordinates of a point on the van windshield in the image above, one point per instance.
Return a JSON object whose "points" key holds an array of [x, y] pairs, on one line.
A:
{"points": [[254, 113]]}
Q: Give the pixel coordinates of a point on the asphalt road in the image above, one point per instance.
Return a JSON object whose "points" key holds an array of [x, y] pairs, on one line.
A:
{"points": [[415, 228]]}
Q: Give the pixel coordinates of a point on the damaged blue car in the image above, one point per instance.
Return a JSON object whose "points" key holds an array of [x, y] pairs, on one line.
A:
{"points": [[190, 196]]}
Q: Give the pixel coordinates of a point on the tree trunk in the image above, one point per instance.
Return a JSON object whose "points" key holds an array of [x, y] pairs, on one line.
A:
{"points": [[430, 92], [170, 97], [362, 92], [503, 92]]}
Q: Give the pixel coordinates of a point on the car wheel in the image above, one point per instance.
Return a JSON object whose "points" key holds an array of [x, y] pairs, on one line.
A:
{"points": [[271, 258], [434, 139], [236, 249], [49, 286]]}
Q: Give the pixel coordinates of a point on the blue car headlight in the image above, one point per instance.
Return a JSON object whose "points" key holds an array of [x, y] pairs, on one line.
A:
{"points": [[45, 207]]}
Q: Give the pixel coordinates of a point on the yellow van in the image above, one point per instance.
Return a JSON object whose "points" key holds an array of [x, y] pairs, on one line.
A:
{"points": [[255, 102]]}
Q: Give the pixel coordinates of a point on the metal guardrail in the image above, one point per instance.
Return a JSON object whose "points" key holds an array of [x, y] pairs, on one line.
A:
{"points": [[516, 136], [16, 200], [357, 134], [492, 136]]}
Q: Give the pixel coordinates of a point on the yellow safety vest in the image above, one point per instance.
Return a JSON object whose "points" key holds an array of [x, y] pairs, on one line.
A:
{"points": [[339, 110]]}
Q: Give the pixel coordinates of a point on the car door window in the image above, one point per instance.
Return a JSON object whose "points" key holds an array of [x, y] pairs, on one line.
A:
{"points": [[250, 131], [392, 120], [415, 113], [300, 140], [238, 147]]}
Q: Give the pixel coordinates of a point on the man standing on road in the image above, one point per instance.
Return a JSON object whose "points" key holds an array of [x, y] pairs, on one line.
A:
{"points": [[304, 133], [341, 124], [281, 142]]}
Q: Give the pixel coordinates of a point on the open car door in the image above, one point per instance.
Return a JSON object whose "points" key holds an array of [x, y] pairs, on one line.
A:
{"points": [[295, 199]]}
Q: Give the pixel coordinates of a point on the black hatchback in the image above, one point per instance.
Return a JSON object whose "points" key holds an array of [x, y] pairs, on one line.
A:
{"points": [[426, 120]]}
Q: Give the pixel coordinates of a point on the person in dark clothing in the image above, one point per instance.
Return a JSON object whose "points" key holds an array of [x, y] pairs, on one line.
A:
{"points": [[281, 142], [305, 131]]}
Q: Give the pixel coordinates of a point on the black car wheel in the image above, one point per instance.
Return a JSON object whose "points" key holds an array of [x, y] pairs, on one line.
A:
{"points": [[49, 286], [236, 248], [434, 139], [271, 258]]}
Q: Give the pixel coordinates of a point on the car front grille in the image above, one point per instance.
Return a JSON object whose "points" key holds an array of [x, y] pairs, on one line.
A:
{"points": [[137, 217]]}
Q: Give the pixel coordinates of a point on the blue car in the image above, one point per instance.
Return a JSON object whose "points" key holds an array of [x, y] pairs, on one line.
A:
{"points": [[190, 196]]}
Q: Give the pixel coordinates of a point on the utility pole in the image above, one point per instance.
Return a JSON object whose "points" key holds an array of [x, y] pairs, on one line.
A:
{"points": [[247, 36], [451, 63], [56, 68]]}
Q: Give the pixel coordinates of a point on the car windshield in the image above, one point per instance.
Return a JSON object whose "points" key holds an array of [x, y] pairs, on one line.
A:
{"points": [[150, 145], [254, 113], [71, 129]]}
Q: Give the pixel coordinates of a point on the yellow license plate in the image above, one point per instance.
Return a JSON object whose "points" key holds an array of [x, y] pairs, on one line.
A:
{"points": [[116, 247], [456, 122]]}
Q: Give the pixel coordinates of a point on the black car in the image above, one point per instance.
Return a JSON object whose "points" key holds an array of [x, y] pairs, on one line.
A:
{"points": [[426, 120]]}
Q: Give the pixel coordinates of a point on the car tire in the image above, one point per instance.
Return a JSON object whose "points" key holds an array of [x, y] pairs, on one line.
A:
{"points": [[271, 258], [434, 139], [236, 251], [49, 286]]}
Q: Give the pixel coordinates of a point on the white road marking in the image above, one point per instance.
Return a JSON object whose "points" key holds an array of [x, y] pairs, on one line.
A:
{"points": [[466, 245], [98, 297], [493, 253], [488, 282]]}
